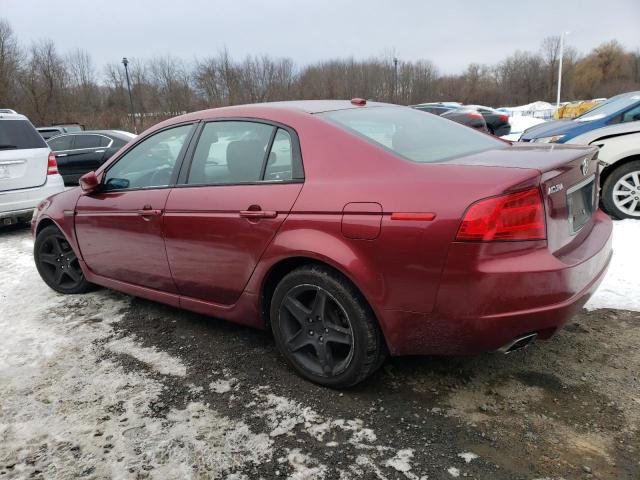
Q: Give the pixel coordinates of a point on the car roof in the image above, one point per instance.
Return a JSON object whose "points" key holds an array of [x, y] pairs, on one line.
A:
{"points": [[304, 106], [113, 133], [6, 115]]}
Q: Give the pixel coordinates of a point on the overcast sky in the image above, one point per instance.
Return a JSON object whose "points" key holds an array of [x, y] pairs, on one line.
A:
{"points": [[451, 33]]}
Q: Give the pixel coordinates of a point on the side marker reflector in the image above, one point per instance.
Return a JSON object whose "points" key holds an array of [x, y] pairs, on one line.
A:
{"points": [[425, 217]]}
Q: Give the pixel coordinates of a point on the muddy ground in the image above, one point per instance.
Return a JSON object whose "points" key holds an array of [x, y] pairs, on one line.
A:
{"points": [[128, 388]]}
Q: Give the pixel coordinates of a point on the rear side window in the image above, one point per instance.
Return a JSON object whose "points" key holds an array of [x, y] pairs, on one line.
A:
{"points": [[411, 134], [62, 142], [19, 134], [233, 152]]}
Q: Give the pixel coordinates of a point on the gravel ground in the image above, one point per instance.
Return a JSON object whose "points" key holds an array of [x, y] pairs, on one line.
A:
{"points": [[108, 386]]}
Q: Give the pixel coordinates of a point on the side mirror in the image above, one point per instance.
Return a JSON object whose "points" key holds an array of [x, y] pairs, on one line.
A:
{"points": [[89, 182]]}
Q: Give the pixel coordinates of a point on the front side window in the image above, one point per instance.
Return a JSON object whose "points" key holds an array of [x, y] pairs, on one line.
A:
{"points": [[60, 143], [632, 115], [150, 163], [412, 135], [232, 152]]}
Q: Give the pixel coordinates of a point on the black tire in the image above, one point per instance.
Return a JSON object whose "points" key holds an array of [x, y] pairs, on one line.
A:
{"points": [[346, 317], [57, 263], [609, 188]]}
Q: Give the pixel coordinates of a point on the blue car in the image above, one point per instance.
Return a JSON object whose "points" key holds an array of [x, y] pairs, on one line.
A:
{"points": [[619, 109]]}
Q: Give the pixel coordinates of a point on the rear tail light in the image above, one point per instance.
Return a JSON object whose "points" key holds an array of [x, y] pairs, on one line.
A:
{"points": [[515, 216], [474, 115], [504, 118], [52, 165]]}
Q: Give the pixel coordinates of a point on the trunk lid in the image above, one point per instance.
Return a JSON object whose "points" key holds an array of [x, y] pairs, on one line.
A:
{"points": [[569, 183], [23, 168], [23, 155]]}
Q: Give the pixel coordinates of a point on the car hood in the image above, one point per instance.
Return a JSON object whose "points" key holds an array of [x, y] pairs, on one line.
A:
{"points": [[549, 129]]}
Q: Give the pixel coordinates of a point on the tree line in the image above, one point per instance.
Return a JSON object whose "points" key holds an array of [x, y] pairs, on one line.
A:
{"points": [[54, 87]]}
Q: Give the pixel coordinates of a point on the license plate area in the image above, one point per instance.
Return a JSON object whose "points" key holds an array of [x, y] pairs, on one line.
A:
{"points": [[581, 199]]}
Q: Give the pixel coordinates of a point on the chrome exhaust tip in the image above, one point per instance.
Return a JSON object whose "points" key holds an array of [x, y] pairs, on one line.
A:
{"points": [[517, 343]]}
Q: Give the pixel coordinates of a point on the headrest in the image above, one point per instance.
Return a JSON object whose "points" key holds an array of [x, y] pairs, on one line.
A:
{"points": [[244, 160]]}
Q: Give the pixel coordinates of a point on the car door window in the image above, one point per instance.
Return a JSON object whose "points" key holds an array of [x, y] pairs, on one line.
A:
{"points": [[632, 115], [62, 142], [87, 141], [104, 141], [230, 152], [150, 163]]}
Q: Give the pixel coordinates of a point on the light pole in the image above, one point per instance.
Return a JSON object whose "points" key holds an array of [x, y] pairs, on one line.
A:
{"points": [[560, 67], [395, 79], [125, 62]]}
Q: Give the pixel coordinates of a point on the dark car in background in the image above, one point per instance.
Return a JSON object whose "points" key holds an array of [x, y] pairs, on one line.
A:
{"points": [[54, 130], [81, 152], [457, 112], [497, 122]]}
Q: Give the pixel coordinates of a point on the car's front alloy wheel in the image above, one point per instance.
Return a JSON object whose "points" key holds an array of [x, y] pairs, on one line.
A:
{"points": [[57, 262], [324, 328]]}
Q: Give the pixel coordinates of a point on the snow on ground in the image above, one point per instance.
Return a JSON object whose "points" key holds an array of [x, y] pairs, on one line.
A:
{"points": [[519, 124], [70, 406], [621, 286], [60, 372]]}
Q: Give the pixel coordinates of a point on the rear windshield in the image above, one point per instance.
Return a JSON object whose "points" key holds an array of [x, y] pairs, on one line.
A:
{"points": [[19, 134], [414, 135]]}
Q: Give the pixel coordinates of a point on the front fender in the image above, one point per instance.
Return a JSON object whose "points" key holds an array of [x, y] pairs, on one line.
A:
{"points": [[60, 212]]}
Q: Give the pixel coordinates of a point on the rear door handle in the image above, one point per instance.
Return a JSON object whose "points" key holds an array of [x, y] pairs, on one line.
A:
{"points": [[61, 154], [99, 151], [258, 213], [149, 212]]}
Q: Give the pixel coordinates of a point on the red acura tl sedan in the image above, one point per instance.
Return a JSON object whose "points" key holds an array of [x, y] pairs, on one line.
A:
{"points": [[352, 229]]}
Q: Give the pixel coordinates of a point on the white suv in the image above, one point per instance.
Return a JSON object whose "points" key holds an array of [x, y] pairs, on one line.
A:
{"points": [[28, 170]]}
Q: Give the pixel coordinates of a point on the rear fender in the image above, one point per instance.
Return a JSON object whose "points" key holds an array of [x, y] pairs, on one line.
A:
{"points": [[329, 248]]}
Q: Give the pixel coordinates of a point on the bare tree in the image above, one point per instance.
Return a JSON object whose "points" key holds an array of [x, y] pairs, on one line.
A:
{"points": [[10, 59]]}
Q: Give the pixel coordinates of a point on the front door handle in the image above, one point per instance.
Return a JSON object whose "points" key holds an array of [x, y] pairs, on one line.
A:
{"points": [[99, 151], [258, 213]]}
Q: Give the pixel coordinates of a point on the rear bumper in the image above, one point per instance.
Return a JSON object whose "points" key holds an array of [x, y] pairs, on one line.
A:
{"points": [[14, 203], [491, 293]]}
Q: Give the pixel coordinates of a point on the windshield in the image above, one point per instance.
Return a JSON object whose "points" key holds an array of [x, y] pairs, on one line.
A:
{"points": [[414, 135], [610, 107]]}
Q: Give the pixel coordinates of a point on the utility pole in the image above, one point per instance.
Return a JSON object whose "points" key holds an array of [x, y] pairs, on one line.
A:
{"points": [[560, 67], [125, 62], [395, 79]]}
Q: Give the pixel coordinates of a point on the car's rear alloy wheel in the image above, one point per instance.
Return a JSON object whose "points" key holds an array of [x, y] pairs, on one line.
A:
{"points": [[621, 191], [324, 328], [57, 262]]}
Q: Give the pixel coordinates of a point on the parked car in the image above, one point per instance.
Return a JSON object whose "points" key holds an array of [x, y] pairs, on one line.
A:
{"points": [[497, 122], [467, 116], [52, 131], [28, 171], [619, 157], [350, 229], [456, 112], [619, 109], [82, 152]]}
